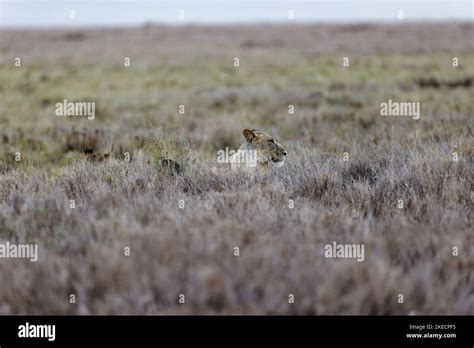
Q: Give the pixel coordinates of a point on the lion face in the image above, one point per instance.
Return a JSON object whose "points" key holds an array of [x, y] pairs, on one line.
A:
{"points": [[269, 150]]}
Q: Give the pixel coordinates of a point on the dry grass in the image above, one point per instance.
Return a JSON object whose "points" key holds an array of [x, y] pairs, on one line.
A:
{"points": [[190, 250]]}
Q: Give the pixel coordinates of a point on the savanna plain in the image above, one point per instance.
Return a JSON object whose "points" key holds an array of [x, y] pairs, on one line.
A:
{"points": [[143, 231]]}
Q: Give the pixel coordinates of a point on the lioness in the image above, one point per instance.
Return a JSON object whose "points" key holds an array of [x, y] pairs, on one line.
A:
{"points": [[260, 151]]}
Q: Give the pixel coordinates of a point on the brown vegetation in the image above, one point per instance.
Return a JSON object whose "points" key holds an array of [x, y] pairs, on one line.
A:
{"points": [[182, 214]]}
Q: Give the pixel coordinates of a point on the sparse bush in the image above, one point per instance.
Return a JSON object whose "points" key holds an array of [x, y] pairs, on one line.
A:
{"points": [[182, 214]]}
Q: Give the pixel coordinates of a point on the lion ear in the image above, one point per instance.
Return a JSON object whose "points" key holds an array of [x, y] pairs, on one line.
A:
{"points": [[248, 134]]}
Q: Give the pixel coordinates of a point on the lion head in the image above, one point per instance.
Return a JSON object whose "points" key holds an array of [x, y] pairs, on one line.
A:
{"points": [[269, 150]]}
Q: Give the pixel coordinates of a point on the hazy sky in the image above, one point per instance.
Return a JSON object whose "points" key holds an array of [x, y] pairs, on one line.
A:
{"points": [[127, 12]]}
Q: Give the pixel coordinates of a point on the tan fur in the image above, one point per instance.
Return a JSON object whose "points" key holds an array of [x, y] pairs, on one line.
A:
{"points": [[269, 152]]}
